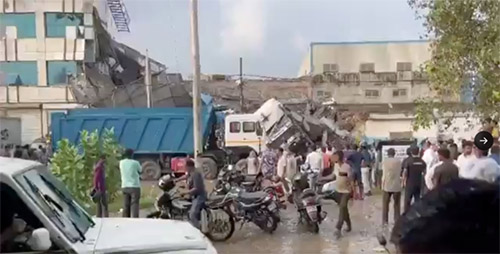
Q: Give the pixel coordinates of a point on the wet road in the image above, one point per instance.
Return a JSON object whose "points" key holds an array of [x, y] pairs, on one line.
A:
{"points": [[291, 237]]}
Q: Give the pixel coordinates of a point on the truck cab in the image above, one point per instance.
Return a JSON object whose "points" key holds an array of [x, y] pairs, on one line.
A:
{"points": [[243, 133], [56, 223]]}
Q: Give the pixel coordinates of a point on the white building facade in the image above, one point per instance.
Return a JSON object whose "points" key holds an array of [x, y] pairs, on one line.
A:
{"points": [[44, 43]]}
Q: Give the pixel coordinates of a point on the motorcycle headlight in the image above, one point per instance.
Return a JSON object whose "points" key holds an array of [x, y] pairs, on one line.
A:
{"points": [[229, 167], [227, 186]]}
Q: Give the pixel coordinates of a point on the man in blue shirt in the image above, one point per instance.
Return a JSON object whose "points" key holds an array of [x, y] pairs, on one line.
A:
{"points": [[355, 159], [197, 191]]}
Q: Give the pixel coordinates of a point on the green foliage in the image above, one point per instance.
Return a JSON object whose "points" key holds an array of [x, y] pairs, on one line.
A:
{"points": [[76, 169], [465, 42]]}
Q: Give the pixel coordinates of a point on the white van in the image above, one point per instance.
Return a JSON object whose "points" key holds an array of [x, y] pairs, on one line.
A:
{"points": [[59, 225]]}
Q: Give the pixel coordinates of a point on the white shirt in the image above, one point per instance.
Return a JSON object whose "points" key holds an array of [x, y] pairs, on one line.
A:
{"points": [[430, 158], [251, 165], [281, 166], [463, 162], [483, 168], [315, 160], [291, 166]]}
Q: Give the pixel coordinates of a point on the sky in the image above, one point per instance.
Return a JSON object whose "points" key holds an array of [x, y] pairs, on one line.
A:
{"points": [[272, 36]]}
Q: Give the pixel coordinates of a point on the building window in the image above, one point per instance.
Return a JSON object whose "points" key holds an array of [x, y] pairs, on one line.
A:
{"points": [[330, 68], [248, 127], [403, 66], [235, 127], [56, 24], [19, 73], [399, 92], [372, 93], [367, 67], [58, 72], [24, 22], [320, 93]]}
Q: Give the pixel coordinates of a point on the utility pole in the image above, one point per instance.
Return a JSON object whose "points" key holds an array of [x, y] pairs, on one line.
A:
{"points": [[240, 84], [195, 53], [147, 80]]}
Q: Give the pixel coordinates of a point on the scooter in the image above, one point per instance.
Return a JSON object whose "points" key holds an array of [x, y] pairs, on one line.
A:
{"points": [[307, 202]]}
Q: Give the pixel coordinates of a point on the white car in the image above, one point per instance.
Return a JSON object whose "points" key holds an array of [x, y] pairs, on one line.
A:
{"points": [[61, 225]]}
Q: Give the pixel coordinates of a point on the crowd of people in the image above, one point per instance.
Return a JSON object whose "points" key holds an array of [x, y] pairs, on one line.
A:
{"points": [[26, 152], [358, 170]]}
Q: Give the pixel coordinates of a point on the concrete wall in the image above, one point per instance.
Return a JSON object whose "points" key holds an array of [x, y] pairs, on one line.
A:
{"points": [[379, 126], [349, 55]]}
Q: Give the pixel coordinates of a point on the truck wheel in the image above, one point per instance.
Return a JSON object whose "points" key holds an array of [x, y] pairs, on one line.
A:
{"points": [[209, 168], [150, 171]]}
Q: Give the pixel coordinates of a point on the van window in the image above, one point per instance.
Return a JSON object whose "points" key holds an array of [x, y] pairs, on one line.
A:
{"points": [[248, 127], [234, 127]]}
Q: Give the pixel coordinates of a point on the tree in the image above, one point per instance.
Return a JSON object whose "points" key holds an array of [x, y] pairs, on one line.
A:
{"points": [[465, 44]]}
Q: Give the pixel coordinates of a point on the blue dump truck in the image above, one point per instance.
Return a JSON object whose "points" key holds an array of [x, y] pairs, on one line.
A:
{"points": [[157, 135]]}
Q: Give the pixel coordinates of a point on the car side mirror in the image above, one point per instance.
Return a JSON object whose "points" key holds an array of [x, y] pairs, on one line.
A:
{"points": [[40, 240]]}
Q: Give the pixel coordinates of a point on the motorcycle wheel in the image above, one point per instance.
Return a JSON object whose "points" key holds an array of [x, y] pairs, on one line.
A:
{"points": [[269, 222], [313, 227], [213, 224]]}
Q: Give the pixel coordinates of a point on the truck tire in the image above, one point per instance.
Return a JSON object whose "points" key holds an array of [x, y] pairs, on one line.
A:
{"points": [[150, 171], [209, 167]]}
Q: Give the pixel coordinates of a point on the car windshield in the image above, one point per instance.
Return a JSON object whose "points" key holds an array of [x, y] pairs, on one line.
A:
{"points": [[55, 201]]}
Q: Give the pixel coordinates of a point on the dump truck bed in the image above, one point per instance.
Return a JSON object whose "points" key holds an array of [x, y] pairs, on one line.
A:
{"points": [[146, 131]]}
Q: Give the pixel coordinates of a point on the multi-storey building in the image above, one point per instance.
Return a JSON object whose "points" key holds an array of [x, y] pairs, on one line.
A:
{"points": [[372, 74], [44, 43], [383, 78]]}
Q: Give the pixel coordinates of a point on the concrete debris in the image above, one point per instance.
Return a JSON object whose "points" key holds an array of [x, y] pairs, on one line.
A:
{"points": [[297, 131], [116, 78]]}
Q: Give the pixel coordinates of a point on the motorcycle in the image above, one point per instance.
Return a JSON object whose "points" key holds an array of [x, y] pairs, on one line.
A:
{"points": [[257, 207], [172, 205], [229, 177], [307, 202]]}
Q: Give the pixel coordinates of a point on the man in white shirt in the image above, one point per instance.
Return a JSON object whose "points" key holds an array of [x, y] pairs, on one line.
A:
{"points": [[315, 159], [465, 159], [483, 168]]}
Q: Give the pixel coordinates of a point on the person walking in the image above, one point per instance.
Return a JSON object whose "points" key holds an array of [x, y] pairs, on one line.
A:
{"points": [[391, 186], [355, 159], [268, 163], [366, 166], [343, 192], [281, 168], [430, 158], [130, 172], [445, 172], [413, 175], [99, 193], [197, 191]]}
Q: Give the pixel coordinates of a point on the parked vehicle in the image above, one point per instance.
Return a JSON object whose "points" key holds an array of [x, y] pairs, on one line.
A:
{"points": [[171, 205], [307, 202], [62, 225], [257, 207], [161, 138]]}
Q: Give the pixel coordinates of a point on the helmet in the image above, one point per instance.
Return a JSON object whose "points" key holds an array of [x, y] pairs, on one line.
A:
{"points": [[166, 182]]}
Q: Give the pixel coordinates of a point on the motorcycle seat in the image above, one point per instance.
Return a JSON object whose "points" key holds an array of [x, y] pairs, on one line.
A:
{"points": [[248, 183], [252, 197]]}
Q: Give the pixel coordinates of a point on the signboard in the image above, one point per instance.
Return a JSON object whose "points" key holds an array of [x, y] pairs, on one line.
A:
{"points": [[400, 151]]}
